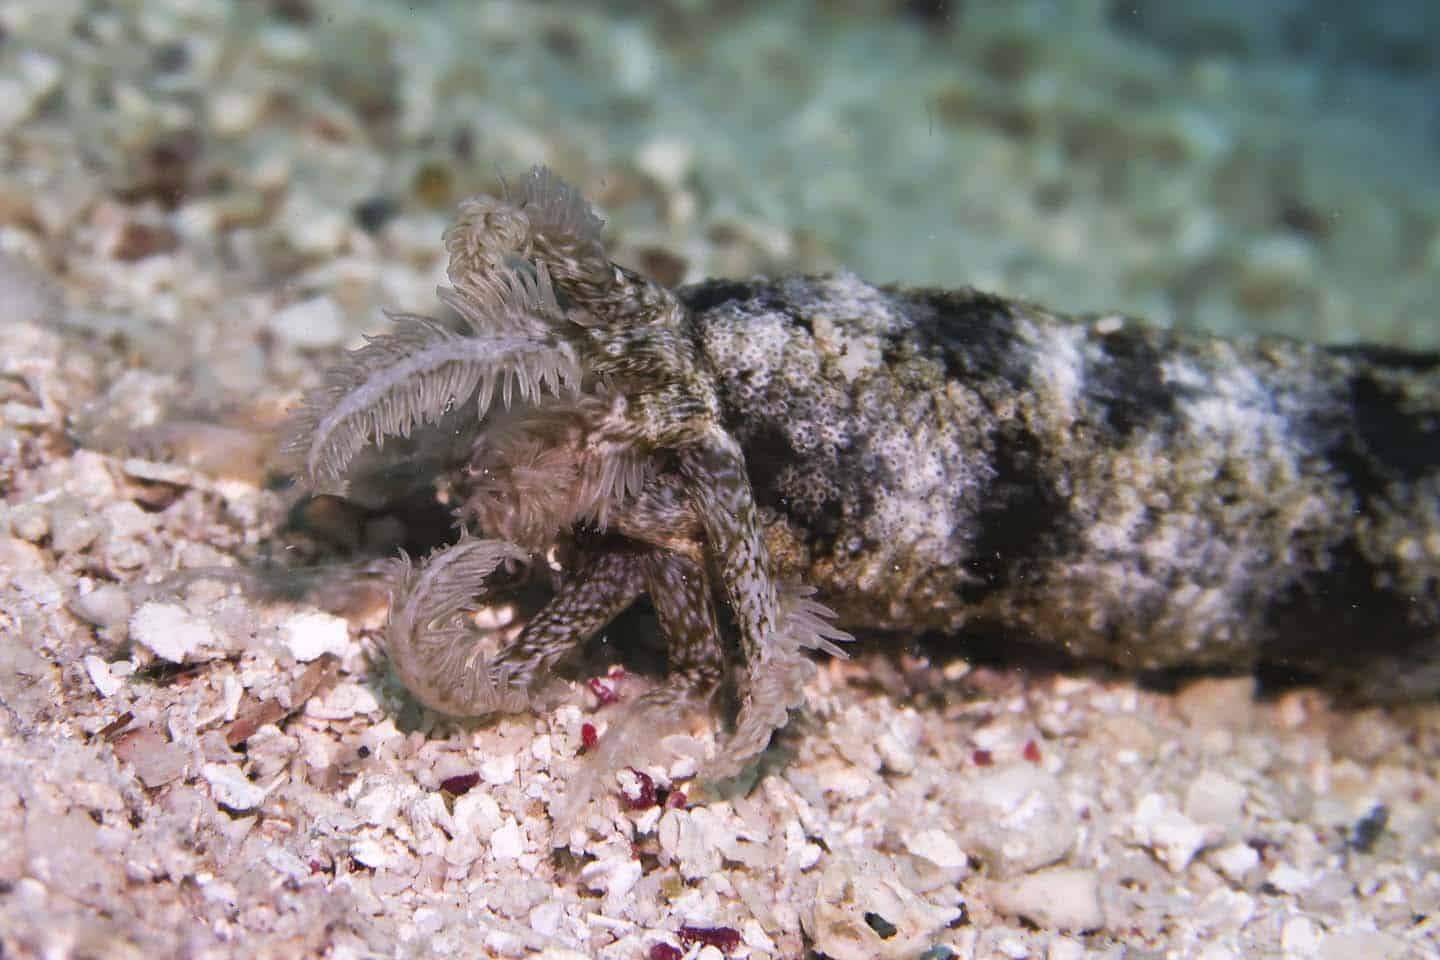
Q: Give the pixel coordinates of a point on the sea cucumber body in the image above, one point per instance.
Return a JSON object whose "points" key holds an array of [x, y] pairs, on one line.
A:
{"points": [[929, 461], [953, 461]]}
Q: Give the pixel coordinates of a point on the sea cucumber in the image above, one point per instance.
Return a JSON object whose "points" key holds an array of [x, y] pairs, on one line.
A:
{"points": [[818, 452]]}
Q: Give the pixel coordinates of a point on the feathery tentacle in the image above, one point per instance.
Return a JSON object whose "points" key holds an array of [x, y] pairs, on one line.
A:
{"points": [[613, 424], [418, 373], [432, 649]]}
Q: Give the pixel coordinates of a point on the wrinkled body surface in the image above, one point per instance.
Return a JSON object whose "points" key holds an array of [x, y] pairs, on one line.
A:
{"points": [[955, 461]]}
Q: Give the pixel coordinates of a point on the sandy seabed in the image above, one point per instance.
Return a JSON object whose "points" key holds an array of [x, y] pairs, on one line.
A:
{"points": [[200, 206]]}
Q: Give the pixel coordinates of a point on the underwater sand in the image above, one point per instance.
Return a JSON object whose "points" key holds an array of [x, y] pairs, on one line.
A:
{"points": [[200, 204]]}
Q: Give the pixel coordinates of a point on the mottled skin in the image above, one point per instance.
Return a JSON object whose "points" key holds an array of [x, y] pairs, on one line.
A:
{"points": [[927, 460], [953, 461]]}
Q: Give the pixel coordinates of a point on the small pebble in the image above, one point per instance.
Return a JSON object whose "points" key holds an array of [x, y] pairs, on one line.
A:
{"points": [[460, 784], [1064, 948], [1285, 878], [72, 528], [171, 633], [308, 636], [343, 701], [105, 606], [30, 521], [105, 682], [938, 847], [1061, 898], [1235, 861], [506, 843], [230, 786], [1173, 837], [1015, 818], [1218, 703], [155, 760], [234, 112], [498, 770], [1299, 937], [314, 324], [1213, 798]]}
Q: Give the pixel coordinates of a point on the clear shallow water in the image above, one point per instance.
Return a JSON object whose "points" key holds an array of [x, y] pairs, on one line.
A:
{"points": [[1235, 169]]}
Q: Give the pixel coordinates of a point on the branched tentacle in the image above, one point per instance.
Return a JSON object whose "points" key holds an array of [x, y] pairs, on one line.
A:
{"points": [[590, 600], [720, 490], [432, 648], [774, 681], [542, 221], [663, 516], [420, 372], [775, 684], [612, 424], [681, 593], [542, 471]]}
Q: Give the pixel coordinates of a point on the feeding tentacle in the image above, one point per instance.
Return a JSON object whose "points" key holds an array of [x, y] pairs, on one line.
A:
{"points": [[432, 647], [422, 370], [720, 490], [590, 600]]}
